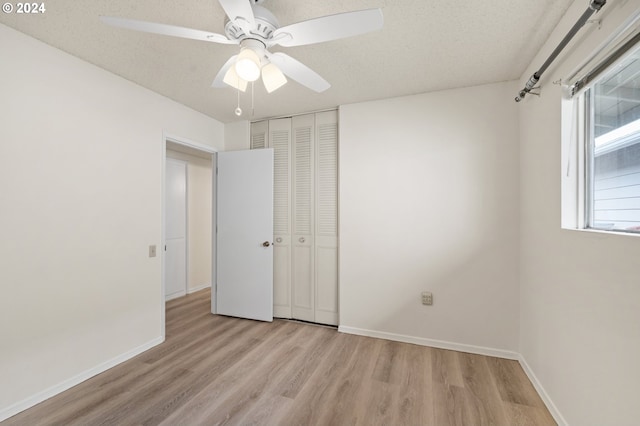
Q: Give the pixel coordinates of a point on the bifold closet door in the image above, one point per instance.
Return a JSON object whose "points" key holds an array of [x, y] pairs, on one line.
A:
{"points": [[326, 218], [303, 291], [305, 214], [279, 138], [259, 135]]}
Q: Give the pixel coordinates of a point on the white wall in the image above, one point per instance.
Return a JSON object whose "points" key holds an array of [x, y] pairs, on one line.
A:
{"points": [[80, 197], [429, 201], [580, 291], [237, 136], [199, 194]]}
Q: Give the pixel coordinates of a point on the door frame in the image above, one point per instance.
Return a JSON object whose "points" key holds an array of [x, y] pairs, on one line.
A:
{"points": [[167, 137]]}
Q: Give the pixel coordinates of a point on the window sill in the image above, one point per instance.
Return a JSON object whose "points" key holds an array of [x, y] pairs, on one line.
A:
{"points": [[602, 233]]}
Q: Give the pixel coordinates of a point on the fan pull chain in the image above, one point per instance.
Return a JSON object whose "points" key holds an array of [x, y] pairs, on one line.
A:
{"points": [[253, 111], [238, 110]]}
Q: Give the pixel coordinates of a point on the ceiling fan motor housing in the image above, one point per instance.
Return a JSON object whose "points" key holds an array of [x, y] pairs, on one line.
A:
{"points": [[266, 24]]}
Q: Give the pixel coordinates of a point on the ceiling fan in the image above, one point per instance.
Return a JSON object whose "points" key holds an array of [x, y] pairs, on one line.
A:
{"points": [[256, 30]]}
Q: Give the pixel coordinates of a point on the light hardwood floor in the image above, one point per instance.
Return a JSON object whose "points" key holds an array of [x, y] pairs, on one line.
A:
{"points": [[219, 370]]}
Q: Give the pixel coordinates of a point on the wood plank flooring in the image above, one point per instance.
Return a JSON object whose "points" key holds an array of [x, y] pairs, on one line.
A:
{"points": [[215, 370]]}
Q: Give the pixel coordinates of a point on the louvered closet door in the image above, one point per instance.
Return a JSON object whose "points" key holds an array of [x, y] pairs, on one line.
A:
{"points": [[279, 132], [326, 214], [259, 134], [303, 292], [305, 214]]}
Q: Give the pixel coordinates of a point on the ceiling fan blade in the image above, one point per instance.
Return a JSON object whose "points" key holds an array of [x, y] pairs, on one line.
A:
{"points": [[298, 71], [219, 80], [170, 30], [240, 12], [329, 28]]}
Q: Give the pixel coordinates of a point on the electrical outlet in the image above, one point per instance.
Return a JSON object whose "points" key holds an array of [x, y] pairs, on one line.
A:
{"points": [[427, 298], [152, 251]]}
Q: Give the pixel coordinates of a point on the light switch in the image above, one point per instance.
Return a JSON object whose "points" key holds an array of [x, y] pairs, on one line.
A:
{"points": [[152, 251]]}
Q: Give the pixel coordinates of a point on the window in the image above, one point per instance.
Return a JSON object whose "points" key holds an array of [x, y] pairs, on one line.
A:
{"points": [[612, 147]]}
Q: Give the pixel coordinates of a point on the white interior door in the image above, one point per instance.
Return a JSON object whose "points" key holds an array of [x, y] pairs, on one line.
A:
{"points": [[244, 238], [175, 260]]}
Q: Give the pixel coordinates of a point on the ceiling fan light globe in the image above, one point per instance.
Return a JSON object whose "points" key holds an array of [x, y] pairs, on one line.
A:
{"points": [[248, 65], [272, 77], [233, 79]]}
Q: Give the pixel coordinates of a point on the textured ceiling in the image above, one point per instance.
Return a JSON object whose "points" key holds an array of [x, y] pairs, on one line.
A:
{"points": [[425, 45]]}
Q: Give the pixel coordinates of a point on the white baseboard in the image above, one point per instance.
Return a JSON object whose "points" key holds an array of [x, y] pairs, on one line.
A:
{"points": [[198, 288], [460, 347], [542, 392], [29, 402], [480, 350], [175, 295], [16, 408]]}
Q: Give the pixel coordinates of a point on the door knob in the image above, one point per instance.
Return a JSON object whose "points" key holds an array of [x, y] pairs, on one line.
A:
{"points": [[266, 244], [278, 240], [301, 239]]}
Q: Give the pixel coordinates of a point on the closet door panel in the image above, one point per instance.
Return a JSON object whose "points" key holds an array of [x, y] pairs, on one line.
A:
{"points": [[303, 223], [303, 297], [259, 138], [279, 138], [326, 213], [326, 285], [282, 278]]}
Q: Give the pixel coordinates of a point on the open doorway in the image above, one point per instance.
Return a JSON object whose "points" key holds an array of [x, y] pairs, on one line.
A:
{"points": [[188, 247]]}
